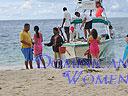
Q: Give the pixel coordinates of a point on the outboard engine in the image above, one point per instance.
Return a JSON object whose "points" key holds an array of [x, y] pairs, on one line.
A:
{"points": [[79, 1]]}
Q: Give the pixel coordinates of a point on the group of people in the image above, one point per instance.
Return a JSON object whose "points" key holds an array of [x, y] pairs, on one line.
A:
{"points": [[72, 31], [31, 46], [28, 46]]}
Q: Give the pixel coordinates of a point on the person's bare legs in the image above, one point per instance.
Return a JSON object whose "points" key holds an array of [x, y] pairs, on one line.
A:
{"points": [[55, 59], [89, 31], [43, 62], [60, 61], [26, 64], [67, 33], [30, 64], [85, 33], [38, 64], [95, 60]]}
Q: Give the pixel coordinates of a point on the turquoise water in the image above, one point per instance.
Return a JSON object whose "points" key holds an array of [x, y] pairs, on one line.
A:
{"points": [[11, 56]]}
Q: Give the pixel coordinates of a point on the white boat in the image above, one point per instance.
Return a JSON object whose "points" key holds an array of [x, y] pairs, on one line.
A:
{"points": [[76, 50]]}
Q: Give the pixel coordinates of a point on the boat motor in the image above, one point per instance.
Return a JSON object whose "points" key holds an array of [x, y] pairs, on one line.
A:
{"points": [[79, 1]]}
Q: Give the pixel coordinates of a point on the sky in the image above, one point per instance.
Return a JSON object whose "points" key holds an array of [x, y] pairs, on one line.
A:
{"points": [[52, 9]]}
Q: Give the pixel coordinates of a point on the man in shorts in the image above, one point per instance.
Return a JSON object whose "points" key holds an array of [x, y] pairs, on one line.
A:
{"points": [[26, 46], [87, 23]]}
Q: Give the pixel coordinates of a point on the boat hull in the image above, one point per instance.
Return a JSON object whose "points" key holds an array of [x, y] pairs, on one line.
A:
{"points": [[77, 49]]}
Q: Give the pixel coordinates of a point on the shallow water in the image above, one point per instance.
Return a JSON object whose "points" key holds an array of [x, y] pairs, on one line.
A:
{"points": [[10, 54]]}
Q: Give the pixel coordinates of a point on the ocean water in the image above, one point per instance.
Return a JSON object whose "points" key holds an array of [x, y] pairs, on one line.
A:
{"points": [[10, 52]]}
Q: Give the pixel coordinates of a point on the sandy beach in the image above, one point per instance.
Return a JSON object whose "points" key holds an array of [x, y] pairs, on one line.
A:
{"points": [[50, 82]]}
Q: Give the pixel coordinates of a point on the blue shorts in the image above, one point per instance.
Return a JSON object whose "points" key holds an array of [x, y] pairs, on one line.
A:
{"points": [[28, 54]]}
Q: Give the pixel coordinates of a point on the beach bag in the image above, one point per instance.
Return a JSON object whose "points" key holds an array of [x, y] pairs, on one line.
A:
{"points": [[62, 50]]}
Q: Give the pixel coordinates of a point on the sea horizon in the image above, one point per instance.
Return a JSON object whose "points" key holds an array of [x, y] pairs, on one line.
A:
{"points": [[52, 19]]}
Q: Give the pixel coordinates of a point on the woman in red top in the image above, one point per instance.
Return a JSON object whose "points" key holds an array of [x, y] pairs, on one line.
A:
{"points": [[99, 10]]}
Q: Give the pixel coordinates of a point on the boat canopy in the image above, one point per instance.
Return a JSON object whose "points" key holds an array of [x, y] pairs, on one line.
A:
{"points": [[87, 4], [95, 20], [100, 20]]}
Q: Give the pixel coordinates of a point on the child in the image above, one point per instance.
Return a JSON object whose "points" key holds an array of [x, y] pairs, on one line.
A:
{"points": [[125, 57], [38, 47], [94, 49], [26, 46], [56, 42], [72, 34]]}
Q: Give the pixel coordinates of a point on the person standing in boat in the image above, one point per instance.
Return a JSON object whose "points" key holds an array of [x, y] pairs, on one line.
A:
{"points": [[66, 23], [72, 33], [77, 26], [99, 9], [87, 23]]}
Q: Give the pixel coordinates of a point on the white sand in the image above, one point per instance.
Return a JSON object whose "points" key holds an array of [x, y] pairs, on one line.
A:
{"points": [[50, 82]]}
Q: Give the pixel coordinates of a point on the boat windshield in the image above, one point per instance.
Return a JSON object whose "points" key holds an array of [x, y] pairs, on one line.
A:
{"points": [[101, 28]]}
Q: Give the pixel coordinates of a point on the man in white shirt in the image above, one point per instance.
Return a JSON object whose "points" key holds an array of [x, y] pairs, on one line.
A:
{"points": [[66, 22], [87, 23]]}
